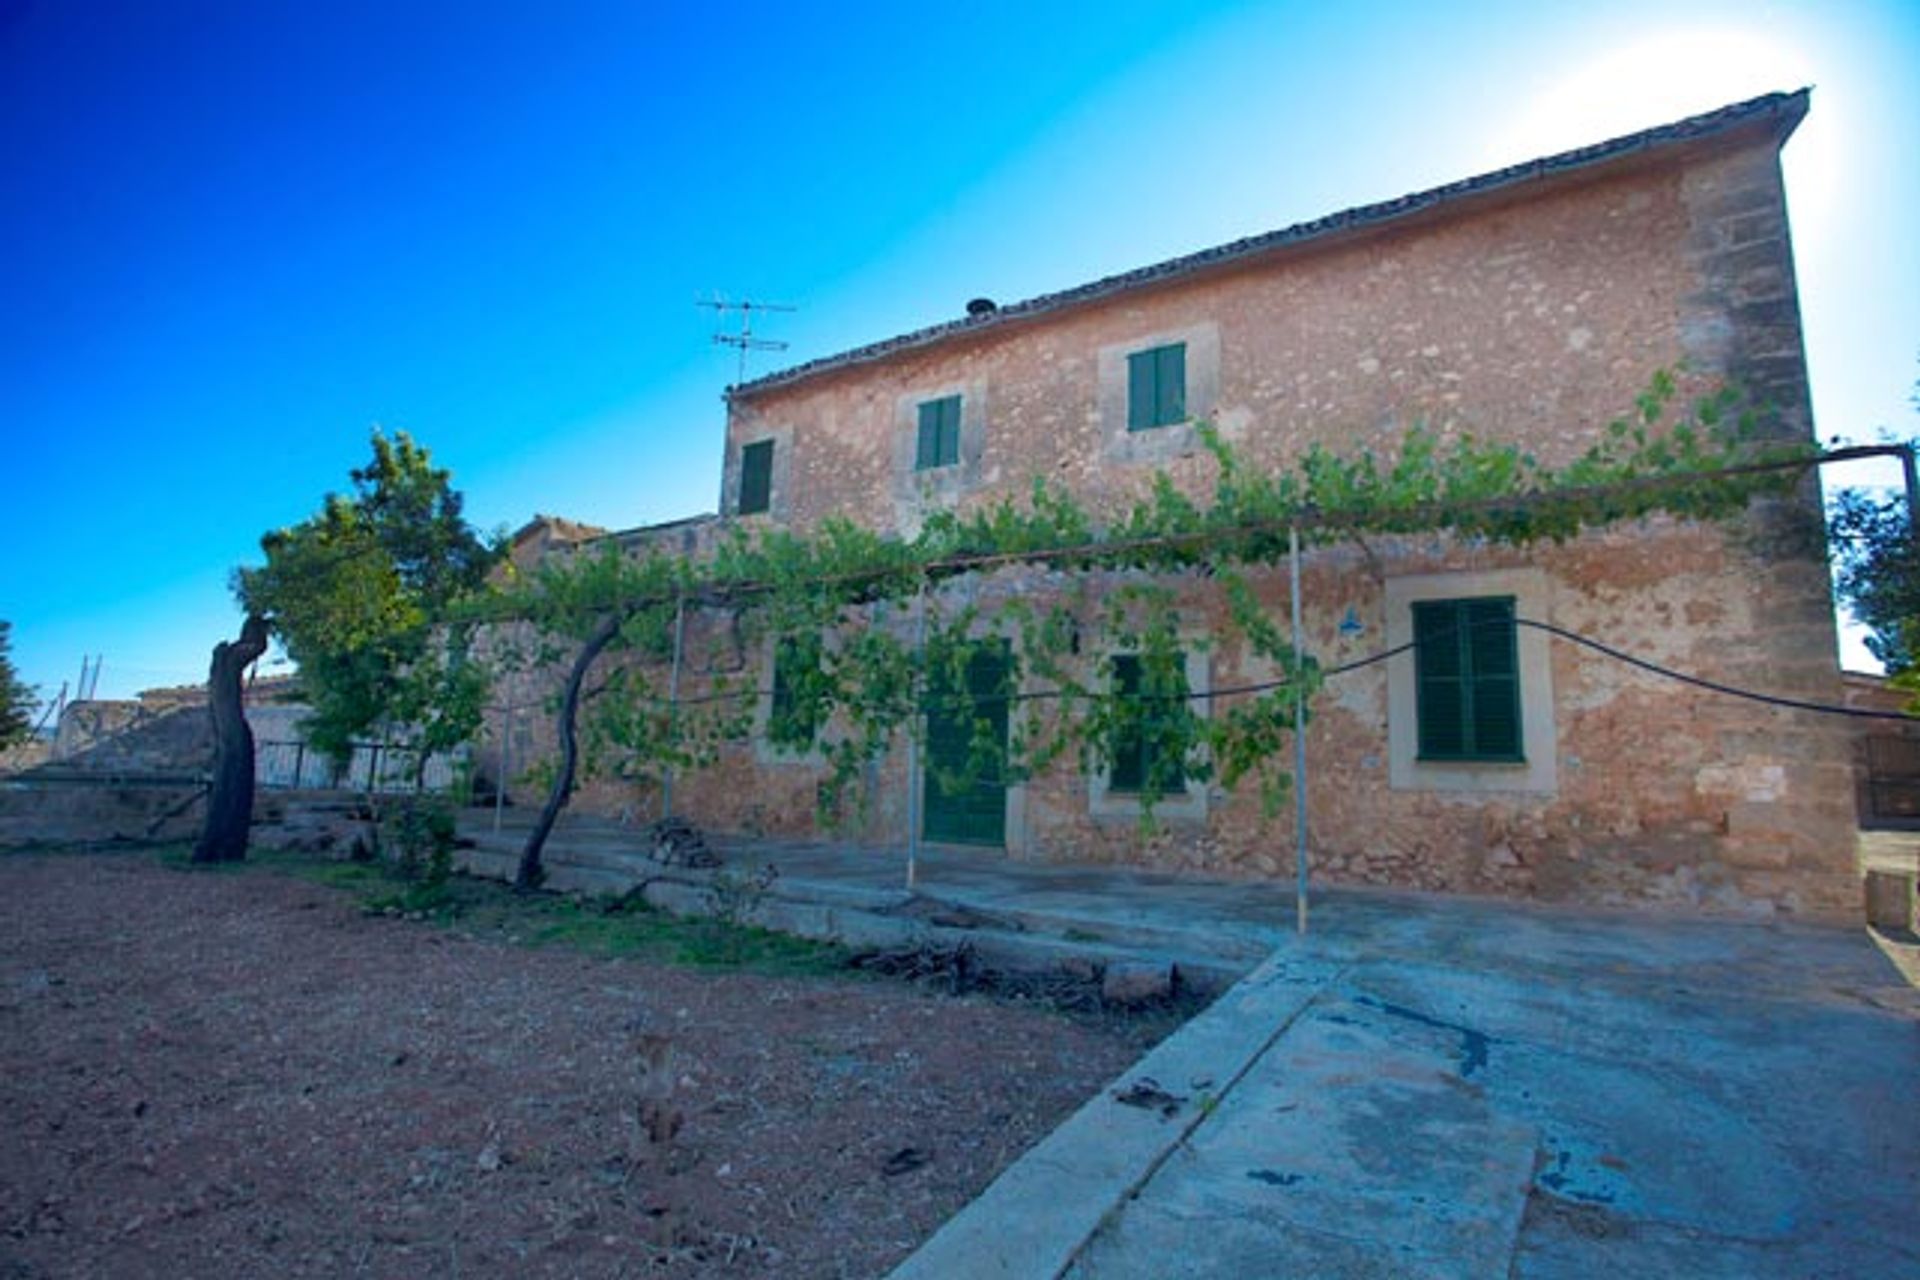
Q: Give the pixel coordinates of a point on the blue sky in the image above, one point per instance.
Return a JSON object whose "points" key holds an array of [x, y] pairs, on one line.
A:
{"points": [[237, 236]]}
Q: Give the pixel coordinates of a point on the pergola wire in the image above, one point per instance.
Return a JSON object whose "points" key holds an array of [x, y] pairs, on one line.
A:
{"points": [[1379, 519]]}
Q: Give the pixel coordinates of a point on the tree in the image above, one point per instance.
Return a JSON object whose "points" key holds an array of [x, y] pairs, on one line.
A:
{"points": [[600, 602], [360, 595], [223, 837], [17, 698], [1877, 571]]}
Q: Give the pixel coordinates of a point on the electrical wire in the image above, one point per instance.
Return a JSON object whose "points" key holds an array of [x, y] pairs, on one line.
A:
{"points": [[1700, 682]]}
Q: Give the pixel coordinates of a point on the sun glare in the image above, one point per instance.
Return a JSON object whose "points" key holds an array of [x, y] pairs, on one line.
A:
{"points": [[1649, 82]]}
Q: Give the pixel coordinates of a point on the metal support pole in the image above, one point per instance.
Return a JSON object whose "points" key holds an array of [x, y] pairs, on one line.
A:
{"points": [[506, 740], [1913, 490], [1299, 745], [673, 702], [913, 738]]}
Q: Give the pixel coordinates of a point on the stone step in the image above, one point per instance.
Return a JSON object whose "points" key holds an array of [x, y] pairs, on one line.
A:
{"points": [[607, 859], [859, 918]]}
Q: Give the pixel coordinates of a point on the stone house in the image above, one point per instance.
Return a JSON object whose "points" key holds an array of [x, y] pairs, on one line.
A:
{"points": [[1528, 305]]}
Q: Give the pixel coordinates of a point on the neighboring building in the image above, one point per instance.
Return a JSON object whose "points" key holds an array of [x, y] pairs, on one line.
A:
{"points": [[169, 732], [1528, 305]]}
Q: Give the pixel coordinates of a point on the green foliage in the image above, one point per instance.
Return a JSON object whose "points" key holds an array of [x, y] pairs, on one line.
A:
{"points": [[1877, 572], [606, 926], [1876, 560], [628, 927], [18, 699], [359, 596], [871, 627], [419, 831]]}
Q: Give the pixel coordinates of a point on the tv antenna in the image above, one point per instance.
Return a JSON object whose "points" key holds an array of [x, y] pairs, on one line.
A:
{"points": [[744, 341]]}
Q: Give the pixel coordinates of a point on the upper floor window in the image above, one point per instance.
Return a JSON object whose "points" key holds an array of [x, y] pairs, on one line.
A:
{"points": [[1467, 695], [756, 477], [939, 440], [1157, 387]]}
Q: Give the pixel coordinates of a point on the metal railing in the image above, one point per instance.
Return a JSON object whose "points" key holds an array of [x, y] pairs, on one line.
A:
{"points": [[373, 766]]}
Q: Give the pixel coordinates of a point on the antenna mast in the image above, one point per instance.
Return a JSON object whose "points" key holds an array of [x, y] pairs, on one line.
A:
{"points": [[744, 341]]}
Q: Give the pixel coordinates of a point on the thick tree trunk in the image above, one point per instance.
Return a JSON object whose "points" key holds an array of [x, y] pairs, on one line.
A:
{"points": [[230, 804], [531, 873]]}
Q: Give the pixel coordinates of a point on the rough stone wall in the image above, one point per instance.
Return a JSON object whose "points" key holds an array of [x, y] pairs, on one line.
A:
{"points": [[171, 735], [1666, 794], [1897, 742], [1534, 319], [25, 755], [77, 808], [127, 735]]}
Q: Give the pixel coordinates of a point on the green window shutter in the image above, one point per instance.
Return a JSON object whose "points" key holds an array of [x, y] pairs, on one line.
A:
{"points": [[1140, 384], [1467, 694], [1170, 391], [927, 454], [939, 440], [1157, 387], [793, 720], [1440, 697], [950, 431], [1493, 648], [756, 477], [1140, 747], [1129, 766], [967, 749]]}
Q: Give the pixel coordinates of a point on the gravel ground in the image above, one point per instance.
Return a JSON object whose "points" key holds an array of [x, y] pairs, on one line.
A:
{"points": [[207, 1074]]}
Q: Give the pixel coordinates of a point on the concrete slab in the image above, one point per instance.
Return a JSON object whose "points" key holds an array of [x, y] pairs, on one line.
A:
{"points": [[1037, 1215], [1346, 1151], [1423, 1120]]}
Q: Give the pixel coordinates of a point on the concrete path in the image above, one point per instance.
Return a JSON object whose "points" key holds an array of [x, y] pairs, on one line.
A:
{"points": [[1423, 1086], [1437, 1088]]}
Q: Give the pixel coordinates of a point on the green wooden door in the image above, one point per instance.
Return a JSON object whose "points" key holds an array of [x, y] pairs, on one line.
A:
{"points": [[974, 812]]}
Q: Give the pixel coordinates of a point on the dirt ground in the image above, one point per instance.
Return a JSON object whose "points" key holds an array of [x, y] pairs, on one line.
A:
{"points": [[239, 1075]]}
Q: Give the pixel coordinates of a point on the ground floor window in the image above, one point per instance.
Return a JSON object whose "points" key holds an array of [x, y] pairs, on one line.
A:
{"points": [[1470, 704], [1147, 742], [796, 716], [1468, 693]]}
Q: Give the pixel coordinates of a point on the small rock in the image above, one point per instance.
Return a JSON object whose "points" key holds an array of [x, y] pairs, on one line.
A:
{"points": [[490, 1158], [1147, 1094], [1080, 968], [1503, 855], [905, 1160], [1131, 982]]}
